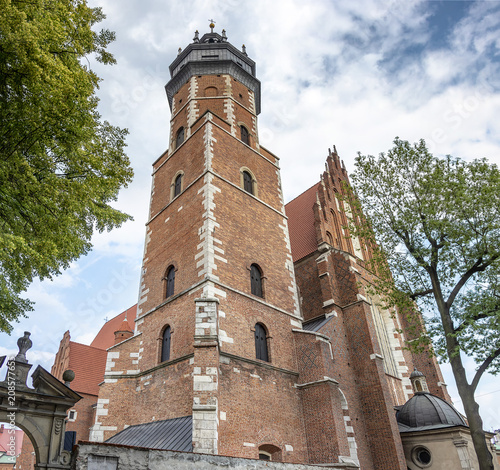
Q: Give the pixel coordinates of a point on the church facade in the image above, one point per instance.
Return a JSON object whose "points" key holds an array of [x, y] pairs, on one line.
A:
{"points": [[255, 335]]}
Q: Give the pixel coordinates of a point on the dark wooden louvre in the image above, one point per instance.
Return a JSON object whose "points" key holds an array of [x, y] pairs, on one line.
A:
{"points": [[178, 184], [244, 135], [69, 440], [180, 137], [247, 182], [260, 343], [165, 346], [255, 280], [170, 281]]}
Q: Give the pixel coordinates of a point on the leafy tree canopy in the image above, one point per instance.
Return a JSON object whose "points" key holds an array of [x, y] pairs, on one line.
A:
{"points": [[437, 223], [60, 166], [434, 225]]}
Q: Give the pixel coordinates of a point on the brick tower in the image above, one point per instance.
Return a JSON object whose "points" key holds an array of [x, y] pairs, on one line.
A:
{"points": [[224, 360], [217, 275]]}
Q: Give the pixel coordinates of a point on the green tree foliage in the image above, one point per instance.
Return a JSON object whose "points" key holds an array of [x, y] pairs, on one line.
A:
{"points": [[60, 166], [435, 228]]}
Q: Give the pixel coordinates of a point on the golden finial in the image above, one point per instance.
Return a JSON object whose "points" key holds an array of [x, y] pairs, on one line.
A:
{"points": [[212, 25]]}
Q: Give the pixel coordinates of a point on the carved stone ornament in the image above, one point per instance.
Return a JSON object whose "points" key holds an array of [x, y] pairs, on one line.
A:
{"points": [[24, 343], [58, 425], [65, 457]]}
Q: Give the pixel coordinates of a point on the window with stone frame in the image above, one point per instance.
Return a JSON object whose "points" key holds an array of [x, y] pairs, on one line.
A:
{"points": [[247, 182], [245, 135], [170, 280], [261, 351], [165, 344], [178, 185], [256, 281], [179, 137]]}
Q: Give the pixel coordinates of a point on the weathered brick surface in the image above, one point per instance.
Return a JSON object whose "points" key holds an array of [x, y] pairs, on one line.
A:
{"points": [[84, 416], [26, 460], [261, 406]]}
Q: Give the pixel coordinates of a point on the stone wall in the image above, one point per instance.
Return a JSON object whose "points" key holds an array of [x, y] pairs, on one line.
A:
{"points": [[91, 456]]}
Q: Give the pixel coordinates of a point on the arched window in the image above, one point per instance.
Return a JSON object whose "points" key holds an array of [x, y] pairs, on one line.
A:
{"points": [[256, 280], [247, 182], [165, 345], [245, 137], [178, 185], [170, 281], [180, 137], [330, 238], [261, 343], [337, 227]]}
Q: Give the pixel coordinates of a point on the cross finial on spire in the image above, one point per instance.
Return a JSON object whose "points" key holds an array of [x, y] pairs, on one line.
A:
{"points": [[212, 25]]}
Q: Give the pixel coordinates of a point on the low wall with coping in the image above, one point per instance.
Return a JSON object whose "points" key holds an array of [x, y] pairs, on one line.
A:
{"points": [[101, 456]]}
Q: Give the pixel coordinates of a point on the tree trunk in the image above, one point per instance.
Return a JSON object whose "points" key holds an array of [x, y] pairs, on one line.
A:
{"points": [[471, 408]]}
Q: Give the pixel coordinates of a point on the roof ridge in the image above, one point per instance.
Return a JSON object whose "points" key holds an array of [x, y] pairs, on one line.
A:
{"points": [[87, 346], [155, 421], [121, 313], [291, 200]]}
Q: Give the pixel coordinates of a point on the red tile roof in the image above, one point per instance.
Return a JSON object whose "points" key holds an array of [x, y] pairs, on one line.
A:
{"points": [[88, 364], [106, 336], [125, 326], [8, 436], [301, 223]]}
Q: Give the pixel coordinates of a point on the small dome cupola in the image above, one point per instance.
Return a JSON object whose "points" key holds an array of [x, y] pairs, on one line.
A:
{"points": [[212, 54], [425, 409], [418, 382]]}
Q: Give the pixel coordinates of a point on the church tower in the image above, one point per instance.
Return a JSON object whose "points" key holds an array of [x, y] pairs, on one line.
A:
{"points": [[223, 359], [217, 302]]}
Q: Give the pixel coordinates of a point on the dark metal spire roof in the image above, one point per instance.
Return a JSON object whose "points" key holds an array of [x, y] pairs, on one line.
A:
{"points": [[427, 410], [212, 54]]}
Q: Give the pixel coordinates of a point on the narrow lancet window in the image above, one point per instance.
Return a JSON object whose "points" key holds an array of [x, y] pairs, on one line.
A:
{"points": [[165, 345], [245, 137], [180, 137], [170, 281], [256, 280], [261, 343]]}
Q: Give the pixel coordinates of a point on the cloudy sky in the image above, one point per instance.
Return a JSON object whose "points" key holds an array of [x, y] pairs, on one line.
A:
{"points": [[350, 73]]}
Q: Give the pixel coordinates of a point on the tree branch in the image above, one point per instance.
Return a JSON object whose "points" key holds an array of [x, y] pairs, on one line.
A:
{"points": [[477, 267], [479, 316], [421, 293], [483, 367]]}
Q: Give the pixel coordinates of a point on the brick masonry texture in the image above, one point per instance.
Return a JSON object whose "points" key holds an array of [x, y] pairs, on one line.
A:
{"points": [[323, 397]]}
